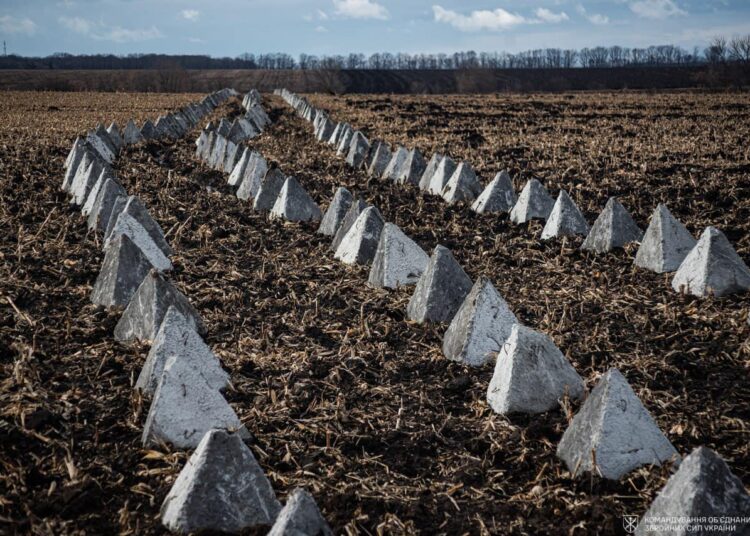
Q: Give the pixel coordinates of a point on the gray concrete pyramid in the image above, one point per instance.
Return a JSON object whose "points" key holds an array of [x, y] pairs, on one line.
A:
{"points": [[300, 517], [440, 291], [399, 261], [239, 169], [398, 158], [356, 208], [442, 175], [101, 210], [224, 127], [374, 144], [255, 172], [269, 190], [148, 131], [72, 154], [703, 488], [142, 317], [462, 186], [115, 136], [429, 171], [325, 130], [134, 208], [334, 216], [184, 408], [221, 489], [481, 326], [381, 157], [336, 134], [105, 175], [117, 206], [531, 375], [565, 219], [533, 203], [126, 224], [203, 144], [612, 229], [345, 141], [412, 169], [358, 149], [665, 244], [72, 163], [99, 140], [232, 153], [88, 172], [361, 241], [123, 270], [218, 153], [132, 135], [614, 431], [295, 204], [712, 268], [176, 337], [498, 196]]}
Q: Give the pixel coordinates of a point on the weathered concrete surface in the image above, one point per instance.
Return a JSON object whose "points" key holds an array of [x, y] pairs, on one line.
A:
{"points": [[565, 219], [88, 172], [88, 205], [398, 158], [462, 186], [334, 215], [704, 487], [356, 208], [125, 224], [358, 149], [411, 170], [345, 141], [238, 171], [72, 162], [612, 229], [300, 517], [295, 204], [148, 132], [269, 190], [398, 262], [104, 202], [498, 196], [531, 375], [361, 241], [440, 291], [132, 135], [442, 175], [665, 244], [712, 267], [123, 270], [255, 172], [534, 203], [614, 429], [429, 171], [380, 160]]}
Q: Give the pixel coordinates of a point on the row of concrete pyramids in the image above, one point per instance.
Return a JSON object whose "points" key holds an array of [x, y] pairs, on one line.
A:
{"points": [[612, 434], [709, 266], [184, 378]]}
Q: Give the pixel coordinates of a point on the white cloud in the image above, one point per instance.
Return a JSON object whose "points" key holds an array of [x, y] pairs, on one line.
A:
{"points": [[102, 32], [321, 29], [498, 19], [656, 9], [14, 25], [545, 15], [322, 15], [196, 40], [190, 14], [360, 9], [593, 18]]}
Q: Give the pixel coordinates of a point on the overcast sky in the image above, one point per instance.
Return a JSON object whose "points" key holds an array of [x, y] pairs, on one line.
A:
{"points": [[231, 27]]}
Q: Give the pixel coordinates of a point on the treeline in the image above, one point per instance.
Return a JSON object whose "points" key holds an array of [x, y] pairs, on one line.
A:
{"points": [[720, 50]]}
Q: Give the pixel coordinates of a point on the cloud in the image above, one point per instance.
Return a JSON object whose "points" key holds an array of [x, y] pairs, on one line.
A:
{"points": [[190, 14], [495, 20], [656, 9], [102, 32], [321, 29], [14, 25], [318, 15], [196, 40], [545, 15], [593, 18], [360, 9]]}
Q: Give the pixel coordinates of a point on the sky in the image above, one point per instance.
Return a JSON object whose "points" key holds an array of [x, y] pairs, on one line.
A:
{"points": [[231, 27]]}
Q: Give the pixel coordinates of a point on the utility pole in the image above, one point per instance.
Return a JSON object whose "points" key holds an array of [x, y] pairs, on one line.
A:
{"points": [[5, 50]]}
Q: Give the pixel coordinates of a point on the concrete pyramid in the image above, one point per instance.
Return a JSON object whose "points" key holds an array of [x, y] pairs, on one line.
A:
{"points": [[99, 140], [250, 183], [498, 196], [398, 262], [712, 267], [440, 291], [300, 516], [429, 171], [665, 244], [381, 157], [203, 145], [184, 408], [134, 208], [269, 190], [72, 163], [232, 153], [221, 489], [295, 204], [398, 158], [72, 154], [88, 172], [336, 211], [345, 141], [101, 210], [325, 130], [148, 131], [115, 136], [132, 135], [442, 175], [361, 241], [126, 224], [612, 229], [123, 270], [531, 374], [462, 186], [145, 311], [117, 206], [218, 153], [357, 207], [533, 203], [224, 127], [176, 337], [239, 169], [105, 175], [481, 326], [358, 149], [565, 219], [412, 169], [374, 145], [703, 487], [614, 430], [336, 134]]}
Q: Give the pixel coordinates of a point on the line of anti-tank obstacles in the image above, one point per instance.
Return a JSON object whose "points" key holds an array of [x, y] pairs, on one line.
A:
{"points": [[611, 435], [707, 266], [222, 487]]}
